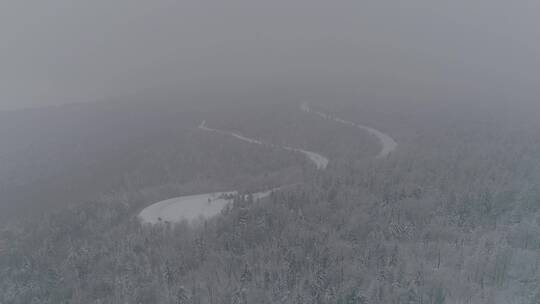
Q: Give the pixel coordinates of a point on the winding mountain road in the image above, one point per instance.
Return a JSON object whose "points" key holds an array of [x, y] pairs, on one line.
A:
{"points": [[194, 207], [320, 161]]}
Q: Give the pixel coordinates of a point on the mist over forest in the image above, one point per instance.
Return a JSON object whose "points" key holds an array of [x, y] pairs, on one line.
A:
{"points": [[293, 152]]}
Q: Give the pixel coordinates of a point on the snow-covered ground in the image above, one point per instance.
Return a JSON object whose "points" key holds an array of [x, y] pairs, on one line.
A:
{"points": [[320, 161], [240, 137], [388, 143], [189, 208]]}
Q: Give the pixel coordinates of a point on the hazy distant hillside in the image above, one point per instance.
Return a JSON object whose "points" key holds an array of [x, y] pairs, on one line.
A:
{"points": [[57, 154], [67, 155]]}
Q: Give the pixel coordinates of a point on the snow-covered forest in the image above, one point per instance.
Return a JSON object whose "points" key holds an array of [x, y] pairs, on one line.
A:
{"points": [[451, 216], [269, 152]]}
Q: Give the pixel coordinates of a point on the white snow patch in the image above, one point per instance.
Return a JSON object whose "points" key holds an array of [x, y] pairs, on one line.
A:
{"points": [[190, 208]]}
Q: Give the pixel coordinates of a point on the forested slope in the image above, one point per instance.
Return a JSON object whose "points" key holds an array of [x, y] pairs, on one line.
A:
{"points": [[451, 217], [80, 152]]}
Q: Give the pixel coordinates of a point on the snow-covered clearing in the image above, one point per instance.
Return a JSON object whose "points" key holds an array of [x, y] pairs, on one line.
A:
{"points": [[190, 208]]}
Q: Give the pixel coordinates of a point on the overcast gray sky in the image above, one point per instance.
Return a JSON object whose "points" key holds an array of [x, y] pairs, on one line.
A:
{"points": [[62, 51]]}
